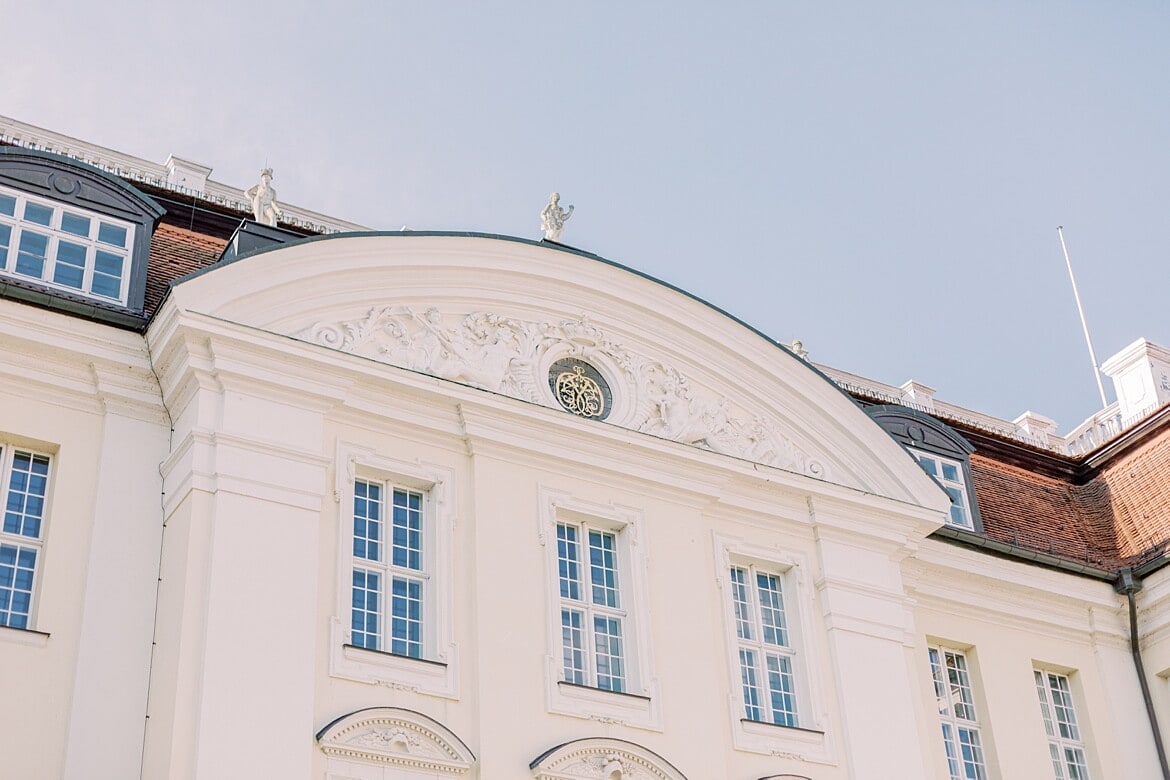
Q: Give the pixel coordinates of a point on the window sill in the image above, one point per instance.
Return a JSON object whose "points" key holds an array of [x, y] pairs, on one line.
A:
{"points": [[764, 725], [795, 742], [622, 708], [602, 692], [358, 651], [431, 676], [24, 636]]}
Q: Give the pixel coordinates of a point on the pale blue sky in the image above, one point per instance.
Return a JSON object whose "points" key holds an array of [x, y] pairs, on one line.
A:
{"points": [[881, 180]]}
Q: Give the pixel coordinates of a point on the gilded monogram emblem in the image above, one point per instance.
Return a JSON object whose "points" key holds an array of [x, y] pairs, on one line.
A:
{"points": [[579, 394]]}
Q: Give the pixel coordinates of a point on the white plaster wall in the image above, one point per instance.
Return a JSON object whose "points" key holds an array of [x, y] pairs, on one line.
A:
{"points": [[83, 393], [1010, 618]]}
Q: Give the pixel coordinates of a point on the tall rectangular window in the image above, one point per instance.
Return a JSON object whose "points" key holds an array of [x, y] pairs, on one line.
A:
{"points": [[24, 489], [956, 710], [766, 656], [389, 578], [1066, 746], [592, 614]]}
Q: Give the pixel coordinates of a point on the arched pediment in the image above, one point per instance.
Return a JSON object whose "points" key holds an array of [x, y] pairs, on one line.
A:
{"points": [[607, 759], [396, 736], [505, 315]]}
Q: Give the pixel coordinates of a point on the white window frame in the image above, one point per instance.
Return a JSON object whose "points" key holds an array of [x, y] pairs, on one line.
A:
{"points": [[638, 704], [19, 541], [1065, 734], [810, 738], [956, 488], [436, 669], [54, 234], [957, 718]]}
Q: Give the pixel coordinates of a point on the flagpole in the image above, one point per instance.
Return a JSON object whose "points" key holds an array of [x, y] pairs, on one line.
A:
{"points": [[1081, 312]]}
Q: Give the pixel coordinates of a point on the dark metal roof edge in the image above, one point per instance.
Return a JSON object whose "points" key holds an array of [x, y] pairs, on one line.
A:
{"points": [[531, 242], [148, 203], [1002, 549], [53, 301]]}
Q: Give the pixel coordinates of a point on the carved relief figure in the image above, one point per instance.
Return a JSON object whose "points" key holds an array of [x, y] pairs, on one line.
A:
{"points": [[263, 199], [553, 217], [512, 357]]}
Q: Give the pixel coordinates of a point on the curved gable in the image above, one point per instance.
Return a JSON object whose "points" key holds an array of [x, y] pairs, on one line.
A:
{"points": [[502, 314]]}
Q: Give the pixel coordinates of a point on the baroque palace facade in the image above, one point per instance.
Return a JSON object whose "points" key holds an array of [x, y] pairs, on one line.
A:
{"points": [[285, 497]]}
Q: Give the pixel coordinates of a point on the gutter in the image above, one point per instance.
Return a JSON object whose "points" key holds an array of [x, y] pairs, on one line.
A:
{"points": [[1129, 584], [980, 542]]}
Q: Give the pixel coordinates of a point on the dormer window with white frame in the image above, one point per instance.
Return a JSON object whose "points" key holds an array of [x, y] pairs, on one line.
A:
{"points": [[73, 232], [64, 247], [949, 474], [941, 452]]}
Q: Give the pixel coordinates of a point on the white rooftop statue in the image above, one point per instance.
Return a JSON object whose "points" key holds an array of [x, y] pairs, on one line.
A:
{"points": [[553, 218], [263, 199]]}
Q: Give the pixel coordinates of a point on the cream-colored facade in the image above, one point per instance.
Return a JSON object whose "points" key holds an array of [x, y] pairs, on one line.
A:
{"points": [[193, 615]]}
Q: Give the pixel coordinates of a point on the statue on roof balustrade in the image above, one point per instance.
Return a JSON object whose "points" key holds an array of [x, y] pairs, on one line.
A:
{"points": [[262, 196]]}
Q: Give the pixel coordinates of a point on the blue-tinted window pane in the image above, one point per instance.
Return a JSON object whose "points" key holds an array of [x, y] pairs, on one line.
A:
{"points": [[75, 224], [109, 264], [367, 588], [407, 530], [17, 566], [367, 521], [112, 234], [751, 688], [26, 493], [30, 260], [5, 242], [406, 617], [772, 610], [607, 639], [573, 646], [8, 205], [38, 214], [107, 275], [603, 568], [568, 568], [70, 268], [739, 597], [782, 690], [950, 472]]}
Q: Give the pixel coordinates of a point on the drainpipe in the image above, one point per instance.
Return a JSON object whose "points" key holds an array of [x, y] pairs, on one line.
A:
{"points": [[1128, 584]]}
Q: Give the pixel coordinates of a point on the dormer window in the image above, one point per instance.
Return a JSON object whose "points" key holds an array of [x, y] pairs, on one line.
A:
{"points": [[949, 474], [942, 453], [64, 247], [75, 232]]}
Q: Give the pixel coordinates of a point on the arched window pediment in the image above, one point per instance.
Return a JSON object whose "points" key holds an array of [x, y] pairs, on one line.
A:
{"points": [[392, 735], [921, 431], [600, 757]]}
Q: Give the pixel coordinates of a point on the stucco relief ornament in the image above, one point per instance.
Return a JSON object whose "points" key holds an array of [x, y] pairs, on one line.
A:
{"points": [[553, 217], [263, 199], [508, 356], [398, 740]]}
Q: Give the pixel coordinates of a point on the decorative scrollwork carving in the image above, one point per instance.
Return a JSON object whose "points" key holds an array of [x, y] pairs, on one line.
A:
{"points": [[507, 356]]}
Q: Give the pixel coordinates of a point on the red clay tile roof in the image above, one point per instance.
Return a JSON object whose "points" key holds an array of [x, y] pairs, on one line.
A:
{"points": [[175, 252], [1041, 513]]}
